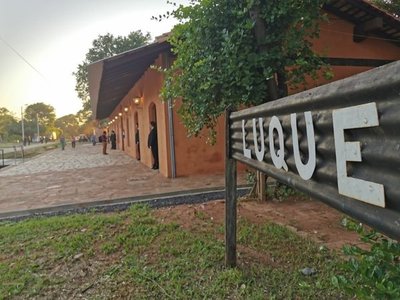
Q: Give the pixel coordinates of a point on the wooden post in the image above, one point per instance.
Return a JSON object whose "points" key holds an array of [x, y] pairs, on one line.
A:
{"points": [[261, 186], [230, 198]]}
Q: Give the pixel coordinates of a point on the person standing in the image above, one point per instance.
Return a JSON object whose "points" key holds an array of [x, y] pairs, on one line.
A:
{"points": [[73, 142], [104, 142], [93, 138], [137, 142], [153, 144], [113, 140], [62, 142]]}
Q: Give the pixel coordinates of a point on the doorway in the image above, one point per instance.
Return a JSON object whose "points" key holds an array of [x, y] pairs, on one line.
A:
{"points": [[137, 135], [152, 113], [153, 138]]}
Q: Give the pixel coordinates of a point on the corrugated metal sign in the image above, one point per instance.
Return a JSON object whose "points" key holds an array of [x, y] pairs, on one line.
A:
{"points": [[339, 143]]}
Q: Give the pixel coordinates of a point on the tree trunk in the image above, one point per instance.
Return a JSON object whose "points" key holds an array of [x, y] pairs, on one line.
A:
{"points": [[273, 91]]}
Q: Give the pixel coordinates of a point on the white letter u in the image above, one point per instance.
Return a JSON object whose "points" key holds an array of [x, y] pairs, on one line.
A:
{"points": [[259, 153], [305, 170]]}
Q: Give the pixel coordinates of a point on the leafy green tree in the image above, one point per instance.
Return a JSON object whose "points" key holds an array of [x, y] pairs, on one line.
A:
{"points": [[9, 129], [239, 53], [68, 125], [42, 114], [88, 127], [104, 46], [83, 116], [391, 6]]}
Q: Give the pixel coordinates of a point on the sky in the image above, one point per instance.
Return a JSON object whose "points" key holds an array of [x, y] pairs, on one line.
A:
{"points": [[43, 41]]}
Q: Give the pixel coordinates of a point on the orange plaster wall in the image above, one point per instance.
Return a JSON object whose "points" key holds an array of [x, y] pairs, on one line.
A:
{"points": [[194, 155], [153, 81], [336, 41]]}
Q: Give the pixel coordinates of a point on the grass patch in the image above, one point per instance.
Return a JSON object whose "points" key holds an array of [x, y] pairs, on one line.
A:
{"points": [[134, 255]]}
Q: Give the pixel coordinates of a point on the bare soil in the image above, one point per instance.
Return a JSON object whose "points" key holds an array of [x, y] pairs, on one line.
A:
{"points": [[307, 217]]}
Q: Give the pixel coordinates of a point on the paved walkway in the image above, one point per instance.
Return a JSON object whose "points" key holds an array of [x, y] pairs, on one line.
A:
{"points": [[83, 175]]}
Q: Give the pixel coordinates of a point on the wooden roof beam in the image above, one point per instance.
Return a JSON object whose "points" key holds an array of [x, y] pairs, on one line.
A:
{"points": [[361, 31]]}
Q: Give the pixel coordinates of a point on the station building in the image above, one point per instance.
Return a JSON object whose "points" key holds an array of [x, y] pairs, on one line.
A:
{"points": [[125, 89]]}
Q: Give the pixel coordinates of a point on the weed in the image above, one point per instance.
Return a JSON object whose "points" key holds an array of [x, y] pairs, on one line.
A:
{"points": [[109, 247], [281, 192], [373, 273], [250, 176]]}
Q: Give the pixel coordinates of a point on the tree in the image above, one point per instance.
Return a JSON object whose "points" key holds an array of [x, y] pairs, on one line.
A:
{"points": [[42, 114], [102, 47], [88, 127], [391, 6], [9, 129], [239, 53], [68, 125]]}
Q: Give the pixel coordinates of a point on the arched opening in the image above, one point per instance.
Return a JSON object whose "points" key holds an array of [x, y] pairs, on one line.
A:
{"points": [[152, 113], [153, 140], [122, 134], [137, 135], [128, 132]]}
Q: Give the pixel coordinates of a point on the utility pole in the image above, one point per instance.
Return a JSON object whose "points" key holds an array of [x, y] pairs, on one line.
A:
{"points": [[37, 125], [22, 124]]}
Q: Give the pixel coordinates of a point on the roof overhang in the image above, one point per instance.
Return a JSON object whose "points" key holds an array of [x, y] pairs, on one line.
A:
{"points": [[367, 19], [111, 79]]}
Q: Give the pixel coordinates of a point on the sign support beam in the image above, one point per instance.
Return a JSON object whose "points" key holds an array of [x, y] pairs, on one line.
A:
{"points": [[230, 198]]}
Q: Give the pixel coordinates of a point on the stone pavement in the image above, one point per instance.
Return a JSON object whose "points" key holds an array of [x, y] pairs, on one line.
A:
{"points": [[84, 174]]}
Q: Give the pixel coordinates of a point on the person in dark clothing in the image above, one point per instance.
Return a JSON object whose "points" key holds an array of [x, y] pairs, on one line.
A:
{"points": [[137, 142], [153, 144], [113, 140]]}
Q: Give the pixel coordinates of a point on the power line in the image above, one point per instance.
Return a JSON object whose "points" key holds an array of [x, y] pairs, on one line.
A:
{"points": [[22, 57]]}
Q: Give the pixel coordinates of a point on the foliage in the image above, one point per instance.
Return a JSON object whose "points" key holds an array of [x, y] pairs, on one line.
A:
{"points": [[282, 191], [250, 176], [391, 6], [69, 125], [87, 127], [9, 128], [42, 114], [104, 46], [221, 61], [135, 254], [83, 116], [372, 273]]}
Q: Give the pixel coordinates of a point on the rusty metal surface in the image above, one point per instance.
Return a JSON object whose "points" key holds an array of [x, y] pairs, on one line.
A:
{"points": [[380, 145]]}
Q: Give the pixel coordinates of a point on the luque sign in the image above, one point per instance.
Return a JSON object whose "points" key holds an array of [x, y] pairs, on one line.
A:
{"points": [[359, 116], [340, 143]]}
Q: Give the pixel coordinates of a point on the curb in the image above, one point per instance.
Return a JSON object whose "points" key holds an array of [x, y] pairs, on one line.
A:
{"points": [[154, 201]]}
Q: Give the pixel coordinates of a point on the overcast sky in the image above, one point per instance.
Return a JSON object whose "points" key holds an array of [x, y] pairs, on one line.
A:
{"points": [[53, 37]]}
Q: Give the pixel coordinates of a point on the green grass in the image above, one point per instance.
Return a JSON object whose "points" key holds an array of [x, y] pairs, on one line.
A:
{"points": [[134, 255]]}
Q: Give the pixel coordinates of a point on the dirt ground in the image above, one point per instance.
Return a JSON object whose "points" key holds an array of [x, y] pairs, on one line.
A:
{"points": [[307, 217]]}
